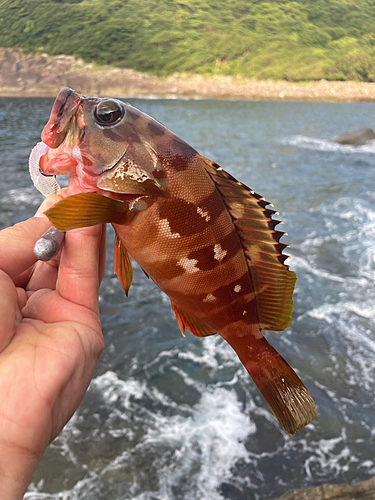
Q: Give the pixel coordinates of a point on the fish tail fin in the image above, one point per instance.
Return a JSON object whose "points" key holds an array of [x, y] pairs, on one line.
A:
{"points": [[285, 394]]}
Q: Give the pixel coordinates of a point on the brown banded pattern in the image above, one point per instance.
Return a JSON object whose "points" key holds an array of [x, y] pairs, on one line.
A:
{"points": [[207, 240]]}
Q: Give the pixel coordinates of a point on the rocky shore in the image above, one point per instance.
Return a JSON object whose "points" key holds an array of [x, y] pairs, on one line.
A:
{"points": [[43, 76], [363, 490]]}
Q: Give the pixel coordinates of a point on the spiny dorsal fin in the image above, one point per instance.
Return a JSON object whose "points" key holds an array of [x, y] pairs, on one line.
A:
{"points": [[186, 320], [273, 282], [122, 265]]}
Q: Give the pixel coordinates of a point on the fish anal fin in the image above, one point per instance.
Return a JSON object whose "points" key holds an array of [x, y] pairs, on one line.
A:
{"points": [[86, 209], [273, 282], [122, 265], [186, 320]]}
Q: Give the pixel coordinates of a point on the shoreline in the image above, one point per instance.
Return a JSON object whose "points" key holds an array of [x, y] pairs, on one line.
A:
{"points": [[197, 87], [41, 75]]}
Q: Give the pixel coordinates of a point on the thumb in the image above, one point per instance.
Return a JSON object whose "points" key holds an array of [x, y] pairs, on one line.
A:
{"points": [[49, 202]]}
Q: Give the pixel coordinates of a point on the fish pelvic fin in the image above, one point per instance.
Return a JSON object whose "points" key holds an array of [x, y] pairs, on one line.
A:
{"points": [[190, 322], [285, 394], [86, 209], [122, 265]]}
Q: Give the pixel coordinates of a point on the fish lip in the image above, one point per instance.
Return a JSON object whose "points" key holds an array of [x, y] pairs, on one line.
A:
{"points": [[45, 175], [62, 114]]}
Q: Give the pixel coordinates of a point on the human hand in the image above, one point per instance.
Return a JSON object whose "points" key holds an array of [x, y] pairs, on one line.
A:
{"points": [[50, 340]]}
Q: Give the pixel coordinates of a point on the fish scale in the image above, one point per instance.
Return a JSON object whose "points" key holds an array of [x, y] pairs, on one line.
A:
{"points": [[207, 240]]}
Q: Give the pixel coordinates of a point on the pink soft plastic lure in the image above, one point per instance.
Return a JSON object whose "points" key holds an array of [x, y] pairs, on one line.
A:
{"points": [[49, 244], [45, 184]]}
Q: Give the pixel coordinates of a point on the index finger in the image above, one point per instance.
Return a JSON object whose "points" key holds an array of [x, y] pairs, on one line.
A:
{"points": [[16, 245], [17, 242]]}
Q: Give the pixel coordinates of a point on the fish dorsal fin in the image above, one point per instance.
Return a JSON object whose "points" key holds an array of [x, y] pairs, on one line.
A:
{"points": [[86, 209], [272, 280], [186, 320], [122, 265]]}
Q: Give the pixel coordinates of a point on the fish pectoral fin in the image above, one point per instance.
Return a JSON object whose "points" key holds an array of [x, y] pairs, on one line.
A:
{"points": [[122, 265], [186, 320], [86, 209]]}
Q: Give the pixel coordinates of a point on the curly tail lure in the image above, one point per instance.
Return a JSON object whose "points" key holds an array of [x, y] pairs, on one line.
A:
{"points": [[49, 244]]}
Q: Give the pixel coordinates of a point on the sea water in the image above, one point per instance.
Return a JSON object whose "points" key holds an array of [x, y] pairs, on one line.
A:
{"points": [[168, 417]]}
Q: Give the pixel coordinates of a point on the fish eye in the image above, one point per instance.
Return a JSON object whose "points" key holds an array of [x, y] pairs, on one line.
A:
{"points": [[109, 112]]}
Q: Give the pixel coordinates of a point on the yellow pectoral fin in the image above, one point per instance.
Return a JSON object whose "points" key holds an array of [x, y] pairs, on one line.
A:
{"points": [[122, 265], [86, 209]]}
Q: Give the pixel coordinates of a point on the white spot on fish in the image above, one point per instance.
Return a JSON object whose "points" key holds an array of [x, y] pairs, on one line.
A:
{"points": [[130, 170], [219, 253], [165, 228], [116, 173], [244, 312], [188, 264], [203, 214], [237, 288], [209, 298], [136, 173]]}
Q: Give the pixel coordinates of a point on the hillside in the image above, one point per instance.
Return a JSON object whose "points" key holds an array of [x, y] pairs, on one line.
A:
{"points": [[293, 40]]}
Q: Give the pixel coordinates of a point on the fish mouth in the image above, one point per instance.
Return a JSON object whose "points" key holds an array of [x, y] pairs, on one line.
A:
{"points": [[62, 113], [62, 134]]}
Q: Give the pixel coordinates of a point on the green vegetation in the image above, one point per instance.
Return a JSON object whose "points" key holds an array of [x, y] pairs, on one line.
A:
{"points": [[294, 40]]}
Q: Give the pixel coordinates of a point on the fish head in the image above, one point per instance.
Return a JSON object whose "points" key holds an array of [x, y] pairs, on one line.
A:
{"points": [[104, 145]]}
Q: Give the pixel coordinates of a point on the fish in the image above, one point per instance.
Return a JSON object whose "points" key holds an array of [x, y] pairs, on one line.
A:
{"points": [[207, 240]]}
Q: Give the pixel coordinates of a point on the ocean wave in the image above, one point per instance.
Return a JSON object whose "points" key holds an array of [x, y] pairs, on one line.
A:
{"points": [[307, 142], [328, 312]]}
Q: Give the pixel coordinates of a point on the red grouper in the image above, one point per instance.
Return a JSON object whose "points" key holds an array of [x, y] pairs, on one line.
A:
{"points": [[208, 241]]}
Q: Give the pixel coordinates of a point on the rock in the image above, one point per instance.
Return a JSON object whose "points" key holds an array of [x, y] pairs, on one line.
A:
{"points": [[357, 138], [363, 490]]}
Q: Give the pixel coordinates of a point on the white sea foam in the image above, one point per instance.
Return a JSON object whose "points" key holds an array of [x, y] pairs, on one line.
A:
{"points": [[328, 312], [204, 445], [113, 389], [307, 142], [23, 196], [85, 488], [329, 454]]}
